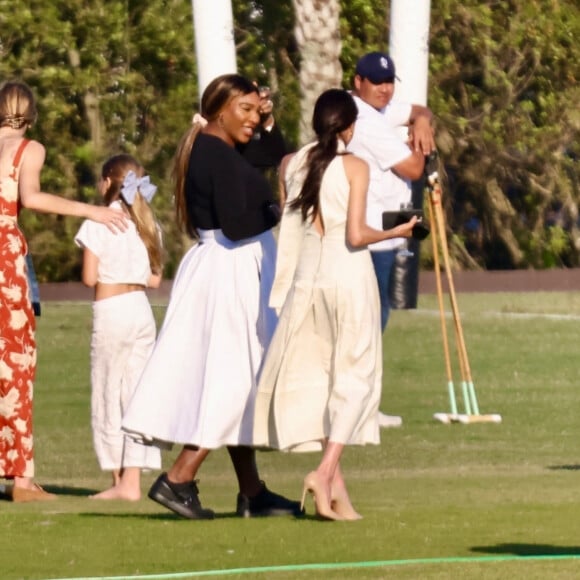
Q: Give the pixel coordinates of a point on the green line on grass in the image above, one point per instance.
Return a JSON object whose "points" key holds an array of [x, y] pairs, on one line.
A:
{"points": [[330, 566]]}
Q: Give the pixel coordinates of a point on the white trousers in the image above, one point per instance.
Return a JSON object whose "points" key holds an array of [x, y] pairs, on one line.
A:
{"points": [[122, 340]]}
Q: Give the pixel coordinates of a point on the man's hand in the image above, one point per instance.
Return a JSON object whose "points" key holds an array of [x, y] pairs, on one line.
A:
{"points": [[421, 135]]}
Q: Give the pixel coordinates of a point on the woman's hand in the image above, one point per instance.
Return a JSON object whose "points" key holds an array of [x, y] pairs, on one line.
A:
{"points": [[114, 219], [405, 230]]}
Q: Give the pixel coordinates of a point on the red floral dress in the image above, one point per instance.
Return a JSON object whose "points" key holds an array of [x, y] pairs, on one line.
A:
{"points": [[17, 343]]}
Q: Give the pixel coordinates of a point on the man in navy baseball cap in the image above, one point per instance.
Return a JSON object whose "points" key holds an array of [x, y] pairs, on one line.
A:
{"points": [[377, 67]]}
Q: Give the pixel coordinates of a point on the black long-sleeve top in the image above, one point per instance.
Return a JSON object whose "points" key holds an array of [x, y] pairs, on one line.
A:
{"points": [[223, 190], [265, 149]]}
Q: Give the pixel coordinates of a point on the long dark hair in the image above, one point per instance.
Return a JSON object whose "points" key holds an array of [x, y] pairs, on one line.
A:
{"points": [[215, 97], [334, 111]]}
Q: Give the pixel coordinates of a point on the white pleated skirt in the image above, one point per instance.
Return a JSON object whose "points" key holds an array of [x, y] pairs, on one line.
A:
{"points": [[199, 385]]}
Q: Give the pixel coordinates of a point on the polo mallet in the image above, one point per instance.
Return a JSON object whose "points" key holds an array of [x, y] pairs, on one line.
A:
{"points": [[468, 400], [439, 233], [449, 372]]}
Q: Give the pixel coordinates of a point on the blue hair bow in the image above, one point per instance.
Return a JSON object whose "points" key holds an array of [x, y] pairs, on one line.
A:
{"points": [[133, 184]]}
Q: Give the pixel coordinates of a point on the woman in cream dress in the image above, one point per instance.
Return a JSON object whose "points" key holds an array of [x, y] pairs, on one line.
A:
{"points": [[320, 385]]}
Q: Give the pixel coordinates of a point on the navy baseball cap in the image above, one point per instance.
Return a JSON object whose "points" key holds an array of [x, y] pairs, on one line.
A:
{"points": [[378, 67]]}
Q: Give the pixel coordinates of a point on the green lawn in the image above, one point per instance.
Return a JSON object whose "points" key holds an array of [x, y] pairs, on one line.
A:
{"points": [[439, 501]]}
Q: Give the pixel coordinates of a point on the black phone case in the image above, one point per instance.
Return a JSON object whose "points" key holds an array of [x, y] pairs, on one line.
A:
{"points": [[392, 219]]}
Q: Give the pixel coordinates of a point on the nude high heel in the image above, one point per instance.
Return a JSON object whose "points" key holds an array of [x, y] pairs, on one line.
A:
{"points": [[340, 504], [313, 485]]}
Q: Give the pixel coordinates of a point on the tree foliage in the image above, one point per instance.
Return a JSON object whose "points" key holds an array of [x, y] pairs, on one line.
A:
{"points": [[364, 26], [119, 75], [109, 76], [504, 87], [267, 52]]}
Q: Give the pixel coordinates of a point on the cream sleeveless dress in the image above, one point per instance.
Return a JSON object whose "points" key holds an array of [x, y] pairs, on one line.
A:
{"points": [[321, 377]]}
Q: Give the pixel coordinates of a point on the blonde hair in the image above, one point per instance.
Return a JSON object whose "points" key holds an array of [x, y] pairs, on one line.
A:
{"points": [[115, 169], [17, 105], [215, 97]]}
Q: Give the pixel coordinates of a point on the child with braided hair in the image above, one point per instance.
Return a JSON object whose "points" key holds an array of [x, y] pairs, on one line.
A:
{"points": [[120, 268]]}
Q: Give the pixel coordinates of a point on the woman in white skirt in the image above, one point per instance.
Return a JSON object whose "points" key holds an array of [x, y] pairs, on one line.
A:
{"points": [[199, 385], [321, 382], [119, 267]]}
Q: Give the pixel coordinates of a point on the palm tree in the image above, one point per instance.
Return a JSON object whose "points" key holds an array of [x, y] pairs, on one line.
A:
{"points": [[318, 36]]}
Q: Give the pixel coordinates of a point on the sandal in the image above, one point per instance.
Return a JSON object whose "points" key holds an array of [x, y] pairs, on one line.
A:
{"points": [[23, 494]]}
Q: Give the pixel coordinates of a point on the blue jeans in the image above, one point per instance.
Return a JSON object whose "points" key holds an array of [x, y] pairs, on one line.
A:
{"points": [[383, 261]]}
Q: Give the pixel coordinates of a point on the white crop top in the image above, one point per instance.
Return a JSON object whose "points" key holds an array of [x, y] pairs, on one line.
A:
{"points": [[123, 257]]}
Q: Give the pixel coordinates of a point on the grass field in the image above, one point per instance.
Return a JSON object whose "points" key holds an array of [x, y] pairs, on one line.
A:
{"points": [[439, 501]]}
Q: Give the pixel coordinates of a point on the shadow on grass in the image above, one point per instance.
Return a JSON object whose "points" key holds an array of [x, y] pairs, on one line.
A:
{"points": [[528, 550], [574, 467], [138, 516], [73, 491], [150, 516], [57, 490], [174, 517]]}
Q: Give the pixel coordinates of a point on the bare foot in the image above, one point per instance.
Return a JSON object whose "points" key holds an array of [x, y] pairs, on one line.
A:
{"points": [[118, 492]]}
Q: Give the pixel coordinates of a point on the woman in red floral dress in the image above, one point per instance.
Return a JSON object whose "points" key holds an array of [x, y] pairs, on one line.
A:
{"points": [[21, 162]]}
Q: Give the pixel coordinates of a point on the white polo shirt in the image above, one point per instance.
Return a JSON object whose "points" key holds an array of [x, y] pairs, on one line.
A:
{"points": [[377, 141]]}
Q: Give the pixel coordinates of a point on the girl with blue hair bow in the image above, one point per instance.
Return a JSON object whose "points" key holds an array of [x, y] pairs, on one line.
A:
{"points": [[120, 268]]}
